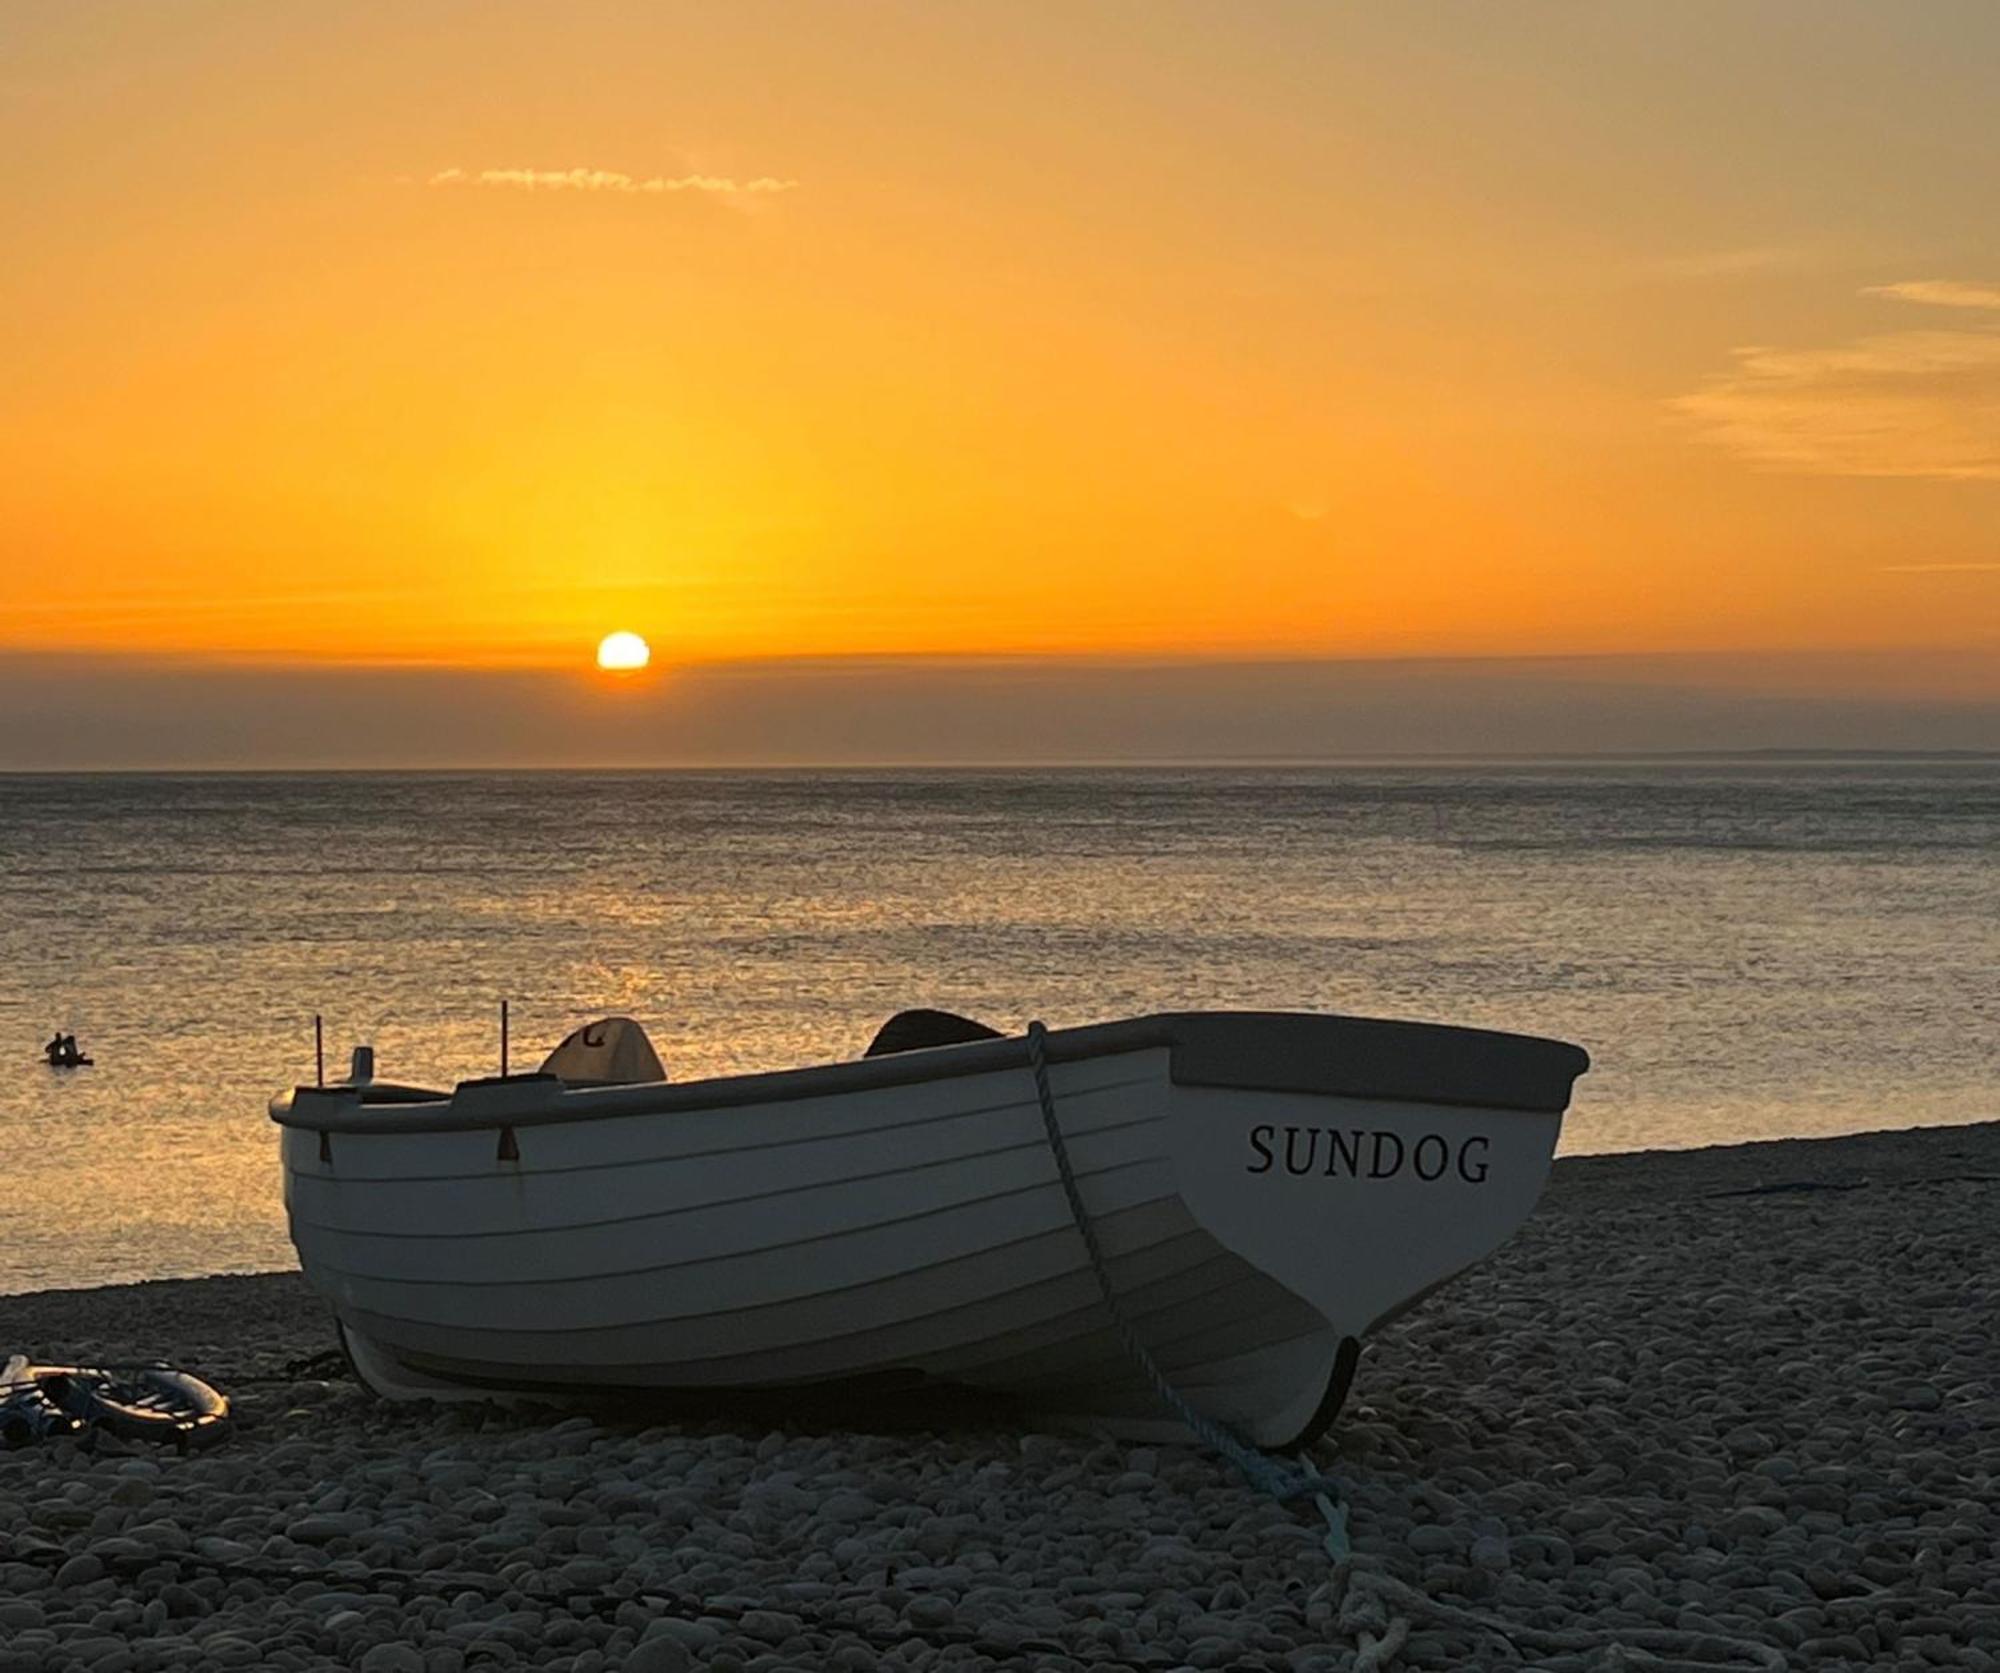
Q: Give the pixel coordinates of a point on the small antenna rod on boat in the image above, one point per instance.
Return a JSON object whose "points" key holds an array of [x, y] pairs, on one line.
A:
{"points": [[503, 1039], [319, 1051]]}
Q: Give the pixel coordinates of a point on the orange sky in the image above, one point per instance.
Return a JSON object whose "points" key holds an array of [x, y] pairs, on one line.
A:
{"points": [[886, 328]]}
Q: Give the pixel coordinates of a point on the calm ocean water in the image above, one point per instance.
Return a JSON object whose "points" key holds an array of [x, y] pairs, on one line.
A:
{"points": [[1749, 951]]}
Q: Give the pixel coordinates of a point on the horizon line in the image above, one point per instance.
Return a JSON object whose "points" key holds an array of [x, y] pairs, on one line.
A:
{"points": [[667, 663], [1210, 763]]}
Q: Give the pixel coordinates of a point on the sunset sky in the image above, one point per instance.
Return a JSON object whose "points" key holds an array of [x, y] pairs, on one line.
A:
{"points": [[1040, 336]]}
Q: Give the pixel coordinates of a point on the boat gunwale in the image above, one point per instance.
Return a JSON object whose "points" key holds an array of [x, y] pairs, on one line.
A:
{"points": [[1254, 1050]]}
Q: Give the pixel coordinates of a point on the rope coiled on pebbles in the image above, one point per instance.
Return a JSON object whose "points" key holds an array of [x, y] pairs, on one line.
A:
{"points": [[1370, 1600]]}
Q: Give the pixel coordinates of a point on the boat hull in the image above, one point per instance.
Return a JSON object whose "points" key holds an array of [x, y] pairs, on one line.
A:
{"points": [[909, 1222]]}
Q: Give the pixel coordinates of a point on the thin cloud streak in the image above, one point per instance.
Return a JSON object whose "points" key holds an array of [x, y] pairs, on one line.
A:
{"points": [[1941, 569], [1900, 404], [609, 180], [1725, 264], [1940, 293]]}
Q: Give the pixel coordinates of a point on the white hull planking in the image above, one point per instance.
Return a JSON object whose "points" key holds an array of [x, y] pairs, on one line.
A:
{"points": [[919, 1227]]}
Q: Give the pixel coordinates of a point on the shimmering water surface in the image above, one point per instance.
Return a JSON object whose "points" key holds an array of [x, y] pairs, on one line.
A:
{"points": [[1749, 951]]}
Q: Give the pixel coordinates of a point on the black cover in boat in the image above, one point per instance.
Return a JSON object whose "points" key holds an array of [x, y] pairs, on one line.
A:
{"points": [[916, 1030]]}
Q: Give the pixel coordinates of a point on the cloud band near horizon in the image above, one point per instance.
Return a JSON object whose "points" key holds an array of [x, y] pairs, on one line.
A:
{"points": [[608, 180]]}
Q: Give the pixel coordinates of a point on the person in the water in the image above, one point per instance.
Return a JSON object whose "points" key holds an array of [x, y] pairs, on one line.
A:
{"points": [[62, 1051]]}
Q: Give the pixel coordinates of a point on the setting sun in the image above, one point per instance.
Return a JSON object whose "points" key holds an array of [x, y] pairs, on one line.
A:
{"points": [[623, 653]]}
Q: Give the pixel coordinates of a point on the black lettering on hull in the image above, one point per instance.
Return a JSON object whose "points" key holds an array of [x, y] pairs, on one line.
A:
{"points": [[1292, 1163], [1464, 1156], [1260, 1141], [1429, 1158], [1344, 1150], [1375, 1168]]}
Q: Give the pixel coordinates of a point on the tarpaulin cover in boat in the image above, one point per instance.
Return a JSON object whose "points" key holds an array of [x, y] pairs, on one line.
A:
{"points": [[919, 1030], [611, 1052]]}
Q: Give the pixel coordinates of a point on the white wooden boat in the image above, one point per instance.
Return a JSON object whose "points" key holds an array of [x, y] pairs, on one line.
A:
{"points": [[1267, 1189]]}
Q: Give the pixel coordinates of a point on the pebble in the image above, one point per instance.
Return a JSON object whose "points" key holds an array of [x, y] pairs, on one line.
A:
{"points": [[658, 1655], [694, 1636], [1753, 1521], [1430, 1540], [80, 1570]]}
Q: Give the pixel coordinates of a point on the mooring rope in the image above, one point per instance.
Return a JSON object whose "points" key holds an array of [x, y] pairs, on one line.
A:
{"points": [[1262, 1471]]}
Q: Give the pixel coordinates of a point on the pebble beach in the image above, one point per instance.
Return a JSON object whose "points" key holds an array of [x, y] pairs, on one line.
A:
{"points": [[1729, 1408]]}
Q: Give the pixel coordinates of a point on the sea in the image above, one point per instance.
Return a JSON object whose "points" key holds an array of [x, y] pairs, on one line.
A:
{"points": [[1749, 949]]}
